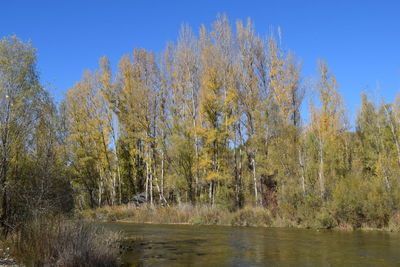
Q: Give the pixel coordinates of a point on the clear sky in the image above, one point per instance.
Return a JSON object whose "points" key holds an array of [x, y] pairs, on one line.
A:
{"points": [[359, 39]]}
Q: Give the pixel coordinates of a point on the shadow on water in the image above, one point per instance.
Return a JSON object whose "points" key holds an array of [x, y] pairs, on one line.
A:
{"points": [[185, 245]]}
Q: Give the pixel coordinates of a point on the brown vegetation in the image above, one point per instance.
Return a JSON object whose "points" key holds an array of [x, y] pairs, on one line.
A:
{"points": [[61, 242]]}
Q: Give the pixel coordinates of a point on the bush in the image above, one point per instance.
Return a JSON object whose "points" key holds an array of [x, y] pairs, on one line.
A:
{"points": [[325, 219], [348, 202], [378, 205], [60, 242], [394, 222], [252, 217], [210, 215]]}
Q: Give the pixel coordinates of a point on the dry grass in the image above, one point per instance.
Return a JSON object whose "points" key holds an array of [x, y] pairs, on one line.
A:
{"points": [[252, 217], [181, 214], [59, 242]]}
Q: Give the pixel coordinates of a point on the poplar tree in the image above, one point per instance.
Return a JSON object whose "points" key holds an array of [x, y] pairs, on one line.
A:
{"points": [[184, 109], [327, 123], [254, 98], [89, 135], [215, 110], [287, 93], [138, 87]]}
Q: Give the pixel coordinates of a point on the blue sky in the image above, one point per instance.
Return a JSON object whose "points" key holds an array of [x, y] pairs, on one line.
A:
{"points": [[359, 39]]}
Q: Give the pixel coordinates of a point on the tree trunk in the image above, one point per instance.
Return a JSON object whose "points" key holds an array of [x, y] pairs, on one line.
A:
{"points": [[151, 173], [302, 167], [253, 164], [162, 177], [321, 171], [147, 181]]}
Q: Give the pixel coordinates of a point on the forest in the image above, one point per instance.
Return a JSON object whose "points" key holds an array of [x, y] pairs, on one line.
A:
{"points": [[222, 117]]}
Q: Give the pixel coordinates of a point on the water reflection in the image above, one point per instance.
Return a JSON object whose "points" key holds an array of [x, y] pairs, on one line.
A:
{"points": [[183, 245]]}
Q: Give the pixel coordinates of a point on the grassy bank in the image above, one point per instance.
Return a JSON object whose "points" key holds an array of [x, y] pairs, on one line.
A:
{"points": [[207, 215], [181, 214], [186, 214], [62, 242]]}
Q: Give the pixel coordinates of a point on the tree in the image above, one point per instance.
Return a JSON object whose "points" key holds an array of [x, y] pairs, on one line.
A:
{"points": [[34, 180], [138, 86], [89, 135], [184, 70], [327, 123], [20, 91], [108, 93], [254, 99], [216, 94]]}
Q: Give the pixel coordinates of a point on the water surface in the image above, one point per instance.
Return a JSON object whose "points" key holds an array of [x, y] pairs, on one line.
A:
{"points": [[188, 245]]}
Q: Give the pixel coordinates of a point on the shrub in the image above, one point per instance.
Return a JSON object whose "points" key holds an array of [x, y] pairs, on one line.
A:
{"points": [[252, 217], [394, 222], [348, 202], [325, 219], [60, 242], [210, 215]]}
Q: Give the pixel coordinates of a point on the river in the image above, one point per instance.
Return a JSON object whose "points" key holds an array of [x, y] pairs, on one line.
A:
{"points": [[188, 245]]}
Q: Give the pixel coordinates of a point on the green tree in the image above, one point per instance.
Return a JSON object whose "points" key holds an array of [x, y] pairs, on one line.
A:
{"points": [[20, 91]]}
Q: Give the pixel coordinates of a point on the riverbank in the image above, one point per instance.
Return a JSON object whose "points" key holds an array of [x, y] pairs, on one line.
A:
{"points": [[208, 215]]}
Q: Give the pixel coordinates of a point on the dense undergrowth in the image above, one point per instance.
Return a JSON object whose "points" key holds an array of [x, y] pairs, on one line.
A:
{"points": [[64, 242]]}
